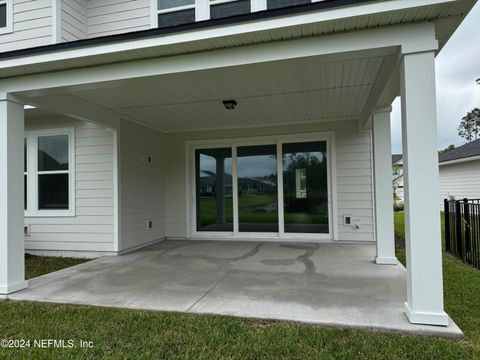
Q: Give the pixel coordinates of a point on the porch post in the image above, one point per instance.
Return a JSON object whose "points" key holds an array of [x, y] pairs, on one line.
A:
{"points": [[382, 174], [12, 273], [220, 189], [422, 212]]}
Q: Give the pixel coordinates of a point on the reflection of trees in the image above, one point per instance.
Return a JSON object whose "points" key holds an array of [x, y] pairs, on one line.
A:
{"points": [[315, 166]]}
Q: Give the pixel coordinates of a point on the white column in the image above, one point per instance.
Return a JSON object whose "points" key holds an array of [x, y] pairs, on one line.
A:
{"points": [[382, 174], [422, 211], [12, 274]]}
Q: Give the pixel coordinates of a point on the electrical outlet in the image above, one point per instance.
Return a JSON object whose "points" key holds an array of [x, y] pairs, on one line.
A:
{"points": [[26, 230], [149, 225]]}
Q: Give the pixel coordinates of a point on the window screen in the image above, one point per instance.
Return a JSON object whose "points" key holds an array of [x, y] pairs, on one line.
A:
{"points": [[230, 9], [176, 18], [3, 15]]}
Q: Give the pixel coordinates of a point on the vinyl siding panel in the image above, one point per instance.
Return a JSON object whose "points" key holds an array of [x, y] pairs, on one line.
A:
{"points": [[460, 180], [107, 17], [32, 25], [353, 174], [73, 19], [91, 229], [142, 188]]}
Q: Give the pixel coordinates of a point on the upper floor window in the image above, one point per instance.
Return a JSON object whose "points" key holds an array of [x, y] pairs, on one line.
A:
{"points": [[175, 12], [221, 8], [6, 15], [169, 13], [48, 172]]}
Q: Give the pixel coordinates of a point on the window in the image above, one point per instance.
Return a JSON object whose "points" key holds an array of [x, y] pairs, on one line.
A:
{"points": [[168, 13], [175, 12], [5, 16], [49, 175], [277, 185], [225, 8]]}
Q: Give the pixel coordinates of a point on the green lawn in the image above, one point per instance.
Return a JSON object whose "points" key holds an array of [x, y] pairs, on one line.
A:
{"points": [[248, 214], [39, 265], [127, 334]]}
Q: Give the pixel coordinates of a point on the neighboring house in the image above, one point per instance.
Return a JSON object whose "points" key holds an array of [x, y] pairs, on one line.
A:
{"points": [[397, 181], [460, 172], [134, 100]]}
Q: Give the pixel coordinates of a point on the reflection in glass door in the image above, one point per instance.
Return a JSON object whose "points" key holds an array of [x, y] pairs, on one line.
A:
{"points": [[305, 187], [213, 171], [257, 188]]}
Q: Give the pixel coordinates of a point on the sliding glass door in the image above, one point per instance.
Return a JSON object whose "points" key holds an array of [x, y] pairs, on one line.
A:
{"points": [[305, 187], [257, 188], [277, 188], [214, 189]]}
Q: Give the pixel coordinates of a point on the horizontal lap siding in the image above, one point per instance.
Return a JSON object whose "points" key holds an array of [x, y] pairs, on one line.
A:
{"points": [[353, 168], [142, 190], [32, 25], [73, 13], [107, 17], [461, 180], [92, 227]]}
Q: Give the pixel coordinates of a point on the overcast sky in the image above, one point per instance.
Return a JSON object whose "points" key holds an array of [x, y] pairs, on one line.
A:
{"points": [[458, 66]]}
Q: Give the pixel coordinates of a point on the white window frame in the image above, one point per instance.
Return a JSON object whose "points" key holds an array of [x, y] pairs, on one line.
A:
{"points": [[191, 146], [33, 173], [9, 28]]}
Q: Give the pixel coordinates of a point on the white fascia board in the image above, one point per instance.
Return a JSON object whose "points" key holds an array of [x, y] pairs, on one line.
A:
{"points": [[223, 31], [457, 161], [94, 77]]}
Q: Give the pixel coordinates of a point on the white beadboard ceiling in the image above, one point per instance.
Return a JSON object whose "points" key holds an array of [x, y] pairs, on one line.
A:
{"points": [[274, 93]]}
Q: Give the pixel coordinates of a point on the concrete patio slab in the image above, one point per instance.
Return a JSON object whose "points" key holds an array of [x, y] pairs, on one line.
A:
{"points": [[327, 284]]}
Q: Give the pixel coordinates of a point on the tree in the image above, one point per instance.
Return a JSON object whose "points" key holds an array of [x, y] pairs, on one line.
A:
{"points": [[450, 147], [469, 127]]}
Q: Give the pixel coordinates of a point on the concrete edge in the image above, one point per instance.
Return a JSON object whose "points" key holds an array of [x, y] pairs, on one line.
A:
{"points": [[421, 332]]}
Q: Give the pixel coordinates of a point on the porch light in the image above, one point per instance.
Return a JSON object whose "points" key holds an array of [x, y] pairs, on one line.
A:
{"points": [[229, 104]]}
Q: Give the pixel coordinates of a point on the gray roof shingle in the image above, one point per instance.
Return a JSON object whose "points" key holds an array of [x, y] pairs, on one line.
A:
{"points": [[465, 151]]}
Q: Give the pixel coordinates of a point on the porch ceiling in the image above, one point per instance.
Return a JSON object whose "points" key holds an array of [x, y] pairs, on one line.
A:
{"points": [[309, 89]]}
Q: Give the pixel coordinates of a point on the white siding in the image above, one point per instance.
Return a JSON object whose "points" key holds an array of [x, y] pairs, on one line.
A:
{"points": [[461, 180], [141, 183], [32, 25], [92, 227], [353, 167], [107, 17], [73, 19]]}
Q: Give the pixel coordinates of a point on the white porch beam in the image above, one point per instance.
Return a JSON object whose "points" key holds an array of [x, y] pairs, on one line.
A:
{"points": [[382, 173], [77, 109], [421, 180], [386, 41], [12, 257]]}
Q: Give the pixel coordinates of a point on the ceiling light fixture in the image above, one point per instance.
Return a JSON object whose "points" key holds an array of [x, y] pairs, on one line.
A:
{"points": [[229, 104]]}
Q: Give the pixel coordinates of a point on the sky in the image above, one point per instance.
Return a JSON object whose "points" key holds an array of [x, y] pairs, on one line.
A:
{"points": [[457, 68]]}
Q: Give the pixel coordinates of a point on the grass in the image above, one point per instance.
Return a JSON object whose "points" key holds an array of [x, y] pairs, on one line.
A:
{"points": [[40, 265], [247, 213], [128, 334]]}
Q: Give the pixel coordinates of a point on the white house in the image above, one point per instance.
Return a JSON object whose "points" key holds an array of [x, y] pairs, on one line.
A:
{"points": [[460, 172], [286, 103], [397, 181]]}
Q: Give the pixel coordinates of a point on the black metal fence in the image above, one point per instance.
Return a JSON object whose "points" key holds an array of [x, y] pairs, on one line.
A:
{"points": [[462, 229]]}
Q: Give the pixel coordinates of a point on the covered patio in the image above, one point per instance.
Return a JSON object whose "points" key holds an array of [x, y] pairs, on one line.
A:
{"points": [[325, 284], [163, 101]]}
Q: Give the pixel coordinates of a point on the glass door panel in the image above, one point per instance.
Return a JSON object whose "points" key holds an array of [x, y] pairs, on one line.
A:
{"points": [[305, 187], [213, 172], [257, 188]]}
